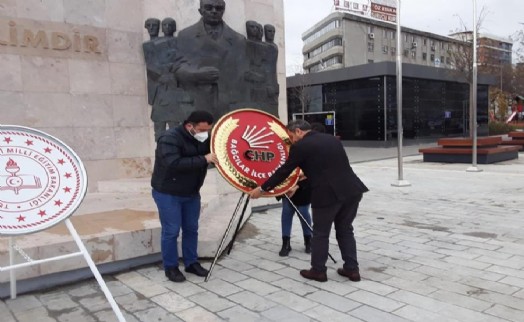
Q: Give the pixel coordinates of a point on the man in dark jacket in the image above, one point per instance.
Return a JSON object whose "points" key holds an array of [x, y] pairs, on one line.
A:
{"points": [[181, 159], [335, 195]]}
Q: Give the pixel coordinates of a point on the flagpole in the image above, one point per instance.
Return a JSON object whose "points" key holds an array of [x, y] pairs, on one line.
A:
{"points": [[400, 132]]}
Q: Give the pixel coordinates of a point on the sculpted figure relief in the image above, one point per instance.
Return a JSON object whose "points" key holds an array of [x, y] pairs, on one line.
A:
{"points": [[153, 28], [170, 104], [212, 63], [257, 76], [271, 56], [210, 67]]}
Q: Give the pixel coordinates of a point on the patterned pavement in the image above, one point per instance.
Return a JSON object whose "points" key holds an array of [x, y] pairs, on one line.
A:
{"points": [[448, 248]]}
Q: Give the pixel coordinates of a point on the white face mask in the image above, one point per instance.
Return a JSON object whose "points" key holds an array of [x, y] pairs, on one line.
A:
{"points": [[201, 137]]}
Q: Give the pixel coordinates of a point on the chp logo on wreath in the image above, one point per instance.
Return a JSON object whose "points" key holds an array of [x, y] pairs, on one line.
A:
{"points": [[42, 181], [250, 146]]}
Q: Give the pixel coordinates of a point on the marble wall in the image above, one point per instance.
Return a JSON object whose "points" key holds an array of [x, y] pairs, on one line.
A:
{"points": [[75, 70]]}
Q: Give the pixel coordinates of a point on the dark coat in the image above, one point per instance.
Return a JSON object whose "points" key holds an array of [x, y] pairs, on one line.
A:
{"points": [[324, 162], [180, 166], [301, 197]]}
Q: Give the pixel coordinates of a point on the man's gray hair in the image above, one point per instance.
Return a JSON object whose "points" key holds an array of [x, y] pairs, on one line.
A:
{"points": [[298, 124]]}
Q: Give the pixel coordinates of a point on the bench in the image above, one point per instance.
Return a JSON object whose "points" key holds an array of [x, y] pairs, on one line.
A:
{"points": [[516, 134], [459, 150], [516, 138]]}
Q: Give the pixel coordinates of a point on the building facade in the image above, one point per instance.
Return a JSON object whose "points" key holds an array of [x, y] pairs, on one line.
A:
{"points": [[363, 101], [345, 40], [492, 50]]}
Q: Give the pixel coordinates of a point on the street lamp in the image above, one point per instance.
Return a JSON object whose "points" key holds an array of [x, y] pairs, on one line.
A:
{"points": [[473, 167]]}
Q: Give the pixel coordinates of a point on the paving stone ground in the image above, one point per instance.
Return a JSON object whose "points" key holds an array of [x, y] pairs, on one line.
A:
{"points": [[448, 248]]}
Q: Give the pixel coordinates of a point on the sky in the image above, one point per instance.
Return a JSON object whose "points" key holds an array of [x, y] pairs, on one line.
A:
{"points": [[501, 18]]}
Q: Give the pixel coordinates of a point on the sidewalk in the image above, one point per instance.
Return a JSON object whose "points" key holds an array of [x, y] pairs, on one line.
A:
{"points": [[448, 248]]}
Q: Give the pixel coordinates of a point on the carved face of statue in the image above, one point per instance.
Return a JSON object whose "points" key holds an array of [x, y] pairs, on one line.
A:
{"points": [[260, 32], [252, 29], [152, 26], [168, 27], [269, 31], [212, 11]]}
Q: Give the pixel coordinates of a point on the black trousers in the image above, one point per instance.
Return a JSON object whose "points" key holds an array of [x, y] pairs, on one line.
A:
{"points": [[342, 214]]}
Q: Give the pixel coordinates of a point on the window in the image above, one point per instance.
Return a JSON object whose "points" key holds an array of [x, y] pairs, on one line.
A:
{"points": [[327, 28], [326, 46], [448, 60], [346, 4], [432, 43], [393, 51], [355, 5], [370, 29], [424, 56], [392, 34], [406, 37], [322, 65], [364, 7], [371, 61], [371, 47], [384, 33], [413, 54], [385, 49], [406, 53], [425, 42], [413, 39], [442, 59], [432, 57]]}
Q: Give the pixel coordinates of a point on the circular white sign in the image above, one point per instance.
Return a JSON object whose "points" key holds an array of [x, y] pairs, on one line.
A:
{"points": [[42, 181]]}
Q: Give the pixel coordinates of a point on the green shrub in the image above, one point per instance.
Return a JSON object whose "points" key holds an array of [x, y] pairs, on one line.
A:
{"points": [[497, 128]]}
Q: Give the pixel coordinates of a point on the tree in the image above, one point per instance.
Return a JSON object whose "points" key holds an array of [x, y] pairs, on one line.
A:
{"points": [[518, 70], [302, 93], [499, 102], [462, 60]]}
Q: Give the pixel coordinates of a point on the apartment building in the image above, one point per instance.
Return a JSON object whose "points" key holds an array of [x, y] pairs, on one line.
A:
{"points": [[492, 50], [345, 40]]}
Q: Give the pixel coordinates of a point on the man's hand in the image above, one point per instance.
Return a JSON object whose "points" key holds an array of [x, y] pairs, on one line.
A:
{"points": [[292, 191], [255, 193], [211, 158]]}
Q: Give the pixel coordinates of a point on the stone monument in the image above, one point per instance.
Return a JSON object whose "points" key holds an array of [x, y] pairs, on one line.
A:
{"points": [[170, 104], [214, 68]]}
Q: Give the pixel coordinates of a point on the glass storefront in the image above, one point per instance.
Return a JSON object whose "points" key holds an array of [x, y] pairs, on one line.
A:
{"points": [[366, 109]]}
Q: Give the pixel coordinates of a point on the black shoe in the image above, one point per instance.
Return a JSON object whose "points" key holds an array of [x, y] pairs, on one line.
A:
{"points": [[286, 246], [175, 275], [353, 275], [197, 269], [311, 274], [307, 244]]}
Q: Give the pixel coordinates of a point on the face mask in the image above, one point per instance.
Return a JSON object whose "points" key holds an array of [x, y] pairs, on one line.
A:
{"points": [[201, 137]]}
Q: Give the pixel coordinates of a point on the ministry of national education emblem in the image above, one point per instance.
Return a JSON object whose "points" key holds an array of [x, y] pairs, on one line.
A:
{"points": [[42, 181], [250, 146]]}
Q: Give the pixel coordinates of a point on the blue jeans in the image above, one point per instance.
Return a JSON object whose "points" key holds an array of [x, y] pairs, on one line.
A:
{"points": [[178, 212], [287, 218]]}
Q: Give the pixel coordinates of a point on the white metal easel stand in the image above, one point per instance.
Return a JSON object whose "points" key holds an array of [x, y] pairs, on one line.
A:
{"points": [[83, 251]]}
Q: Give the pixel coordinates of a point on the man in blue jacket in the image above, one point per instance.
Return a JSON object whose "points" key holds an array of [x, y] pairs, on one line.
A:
{"points": [[181, 160]]}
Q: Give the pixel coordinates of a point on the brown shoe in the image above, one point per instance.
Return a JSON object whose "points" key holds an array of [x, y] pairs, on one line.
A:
{"points": [[314, 275], [353, 275]]}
